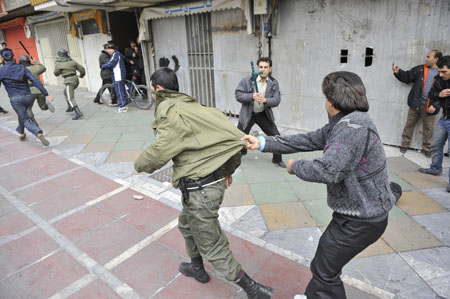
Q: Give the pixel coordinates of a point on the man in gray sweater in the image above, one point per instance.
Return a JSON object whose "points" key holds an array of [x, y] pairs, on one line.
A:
{"points": [[353, 167]]}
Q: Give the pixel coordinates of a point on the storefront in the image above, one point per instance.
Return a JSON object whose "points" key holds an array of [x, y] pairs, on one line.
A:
{"points": [[15, 32]]}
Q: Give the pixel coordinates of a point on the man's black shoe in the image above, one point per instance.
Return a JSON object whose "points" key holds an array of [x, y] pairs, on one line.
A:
{"points": [[427, 154], [427, 171], [281, 164], [253, 289], [195, 270], [403, 149]]}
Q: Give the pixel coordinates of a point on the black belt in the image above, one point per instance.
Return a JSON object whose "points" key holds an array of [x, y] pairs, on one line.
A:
{"points": [[187, 185], [67, 76]]}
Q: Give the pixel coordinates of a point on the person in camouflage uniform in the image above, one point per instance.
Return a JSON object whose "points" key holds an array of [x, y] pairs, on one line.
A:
{"points": [[36, 69], [67, 68], [205, 149]]}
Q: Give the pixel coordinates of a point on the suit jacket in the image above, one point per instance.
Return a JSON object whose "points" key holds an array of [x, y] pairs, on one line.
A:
{"points": [[244, 95]]}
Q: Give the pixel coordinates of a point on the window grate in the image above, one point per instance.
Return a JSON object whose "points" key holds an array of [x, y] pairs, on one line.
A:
{"points": [[200, 58]]}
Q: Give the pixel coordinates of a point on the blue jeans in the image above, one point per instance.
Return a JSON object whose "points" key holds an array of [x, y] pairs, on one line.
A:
{"points": [[441, 133], [119, 87], [20, 104]]}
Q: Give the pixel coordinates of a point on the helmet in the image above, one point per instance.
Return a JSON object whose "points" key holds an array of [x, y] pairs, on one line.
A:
{"points": [[25, 60], [63, 53]]}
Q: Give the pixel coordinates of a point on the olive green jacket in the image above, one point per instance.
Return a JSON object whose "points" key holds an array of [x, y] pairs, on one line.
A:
{"points": [[198, 139], [36, 69], [68, 69]]}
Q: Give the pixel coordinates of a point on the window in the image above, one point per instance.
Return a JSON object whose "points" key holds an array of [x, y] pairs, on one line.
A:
{"points": [[344, 57], [90, 27], [368, 57]]}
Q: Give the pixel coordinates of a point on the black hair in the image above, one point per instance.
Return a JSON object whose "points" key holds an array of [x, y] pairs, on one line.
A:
{"points": [[264, 59], [444, 61], [437, 54], [166, 78], [111, 46], [346, 91]]}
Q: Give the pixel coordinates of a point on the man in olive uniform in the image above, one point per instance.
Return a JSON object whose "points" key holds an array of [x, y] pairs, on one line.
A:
{"points": [[205, 149], [36, 69], [67, 68]]}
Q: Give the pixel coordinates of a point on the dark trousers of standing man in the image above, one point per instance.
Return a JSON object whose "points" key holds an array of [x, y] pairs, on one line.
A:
{"points": [[342, 240], [268, 127]]}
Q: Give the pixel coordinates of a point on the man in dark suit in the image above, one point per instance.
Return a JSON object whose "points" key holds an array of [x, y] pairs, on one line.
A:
{"points": [[257, 106]]}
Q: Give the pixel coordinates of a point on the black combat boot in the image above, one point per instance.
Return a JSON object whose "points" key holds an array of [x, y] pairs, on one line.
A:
{"points": [[253, 289], [78, 113], [69, 108], [194, 269]]}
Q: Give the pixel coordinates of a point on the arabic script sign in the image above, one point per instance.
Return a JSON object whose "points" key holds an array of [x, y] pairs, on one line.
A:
{"points": [[189, 8]]}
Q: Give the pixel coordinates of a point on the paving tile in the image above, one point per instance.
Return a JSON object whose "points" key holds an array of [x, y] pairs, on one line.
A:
{"points": [[119, 169], [423, 181], [396, 212], [184, 287], [124, 156], [262, 174], [439, 195], [302, 241], [48, 276], [13, 223], [378, 248], [57, 167], [5, 207], [60, 132], [239, 178], [93, 158], [74, 139], [417, 203], [238, 195], [85, 130], [128, 145], [39, 192], [252, 223], [275, 192], [99, 147], [109, 241], [24, 251], [19, 180], [133, 137], [403, 234], [56, 205], [110, 137], [96, 289], [174, 240], [123, 203], [307, 191], [22, 150], [285, 276], [151, 217], [78, 177], [13, 169], [91, 190], [319, 211], [399, 165], [229, 215], [437, 224], [7, 291], [391, 273], [433, 266], [286, 215], [79, 224], [250, 256], [396, 179], [143, 271]]}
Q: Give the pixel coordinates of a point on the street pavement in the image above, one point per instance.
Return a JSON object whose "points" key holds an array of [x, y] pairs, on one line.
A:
{"points": [[70, 226]]}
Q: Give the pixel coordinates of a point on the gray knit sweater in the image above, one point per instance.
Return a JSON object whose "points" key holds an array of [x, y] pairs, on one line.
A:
{"points": [[353, 165]]}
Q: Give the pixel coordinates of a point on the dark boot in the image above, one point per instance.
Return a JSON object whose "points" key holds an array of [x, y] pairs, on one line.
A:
{"points": [[194, 269], [69, 108], [253, 289], [78, 113]]}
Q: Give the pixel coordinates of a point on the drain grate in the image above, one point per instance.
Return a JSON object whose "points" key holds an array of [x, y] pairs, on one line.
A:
{"points": [[164, 175]]}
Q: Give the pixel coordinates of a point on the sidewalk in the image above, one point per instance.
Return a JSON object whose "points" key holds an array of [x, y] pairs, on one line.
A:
{"points": [[101, 240]]}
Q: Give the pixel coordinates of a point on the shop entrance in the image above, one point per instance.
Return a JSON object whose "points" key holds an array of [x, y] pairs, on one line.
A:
{"points": [[124, 27]]}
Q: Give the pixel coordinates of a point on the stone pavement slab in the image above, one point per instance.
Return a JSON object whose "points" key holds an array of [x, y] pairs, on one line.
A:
{"points": [[417, 203]]}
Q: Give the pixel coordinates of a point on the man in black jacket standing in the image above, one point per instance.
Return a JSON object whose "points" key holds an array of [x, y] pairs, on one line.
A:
{"points": [[441, 93], [105, 74], [257, 106], [419, 105]]}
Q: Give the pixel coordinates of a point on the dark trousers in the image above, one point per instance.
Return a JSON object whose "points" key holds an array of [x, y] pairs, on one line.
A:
{"points": [[112, 92], [20, 104], [342, 240], [268, 127]]}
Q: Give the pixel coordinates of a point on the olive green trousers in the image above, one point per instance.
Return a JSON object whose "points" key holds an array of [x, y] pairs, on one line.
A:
{"points": [[200, 227]]}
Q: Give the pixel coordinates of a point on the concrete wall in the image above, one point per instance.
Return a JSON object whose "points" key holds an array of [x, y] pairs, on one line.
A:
{"points": [[92, 46], [14, 4]]}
